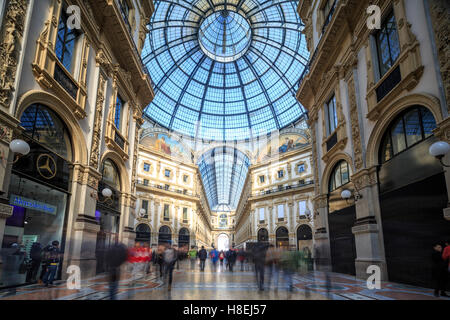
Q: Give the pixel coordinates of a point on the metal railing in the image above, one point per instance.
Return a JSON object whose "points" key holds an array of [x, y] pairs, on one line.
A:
{"points": [[282, 189], [167, 188]]}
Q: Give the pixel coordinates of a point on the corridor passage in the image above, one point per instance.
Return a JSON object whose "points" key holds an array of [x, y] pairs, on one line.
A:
{"points": [[222, 285]]}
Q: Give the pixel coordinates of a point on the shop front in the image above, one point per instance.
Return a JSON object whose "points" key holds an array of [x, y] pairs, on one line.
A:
{"points": [[38, 193]]}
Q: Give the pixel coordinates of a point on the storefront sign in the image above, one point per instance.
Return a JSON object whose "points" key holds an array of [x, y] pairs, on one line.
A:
{"points": [[20, 201]]}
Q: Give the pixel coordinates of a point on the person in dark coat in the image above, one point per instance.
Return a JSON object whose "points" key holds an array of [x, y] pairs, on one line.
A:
{"points": [[232, 256], [36, 259], [202, 255], [259, 258], [115, 256], [438, 271]]}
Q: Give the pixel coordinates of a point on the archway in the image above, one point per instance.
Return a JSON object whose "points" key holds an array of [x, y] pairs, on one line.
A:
{"points": [[304, 237], [39, 188], [164, 235], [263, 235], [412, 195], [183, 238], [108, 211], [143, 233], [282, 238], [223, 242], [341, 219]]}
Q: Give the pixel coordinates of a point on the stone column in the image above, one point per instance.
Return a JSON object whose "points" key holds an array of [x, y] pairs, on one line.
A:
{"points": [[322, 253], [82, 226], [291, 224], [270, 224], [367, 229]]}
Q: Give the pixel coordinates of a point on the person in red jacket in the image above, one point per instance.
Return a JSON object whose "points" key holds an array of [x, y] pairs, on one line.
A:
{"points": [[446, 253]]}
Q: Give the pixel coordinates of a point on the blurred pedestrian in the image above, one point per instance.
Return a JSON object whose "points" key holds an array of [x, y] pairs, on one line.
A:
{"points": [[241, 258], [221, 258], [116, 255], [202, 255], [231, 258], [170, 258], [193, 257], [52, 258], [273, 264], [36, 259], [439, 271], [214, 255], [259, 259], [160, 260]]}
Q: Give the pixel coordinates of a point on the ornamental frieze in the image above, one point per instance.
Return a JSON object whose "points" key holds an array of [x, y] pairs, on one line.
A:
{"points": [[95, 149], [10, 45]]}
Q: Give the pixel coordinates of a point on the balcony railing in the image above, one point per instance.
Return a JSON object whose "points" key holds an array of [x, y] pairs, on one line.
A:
{"points": [[65, 81], [283, 188], [166, 188]]}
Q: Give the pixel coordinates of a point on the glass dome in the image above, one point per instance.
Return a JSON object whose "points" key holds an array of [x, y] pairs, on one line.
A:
{"points": [[225, 70], [224, 36]]}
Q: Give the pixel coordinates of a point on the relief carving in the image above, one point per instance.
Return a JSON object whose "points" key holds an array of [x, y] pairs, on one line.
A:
{"points": [[11, 36]]}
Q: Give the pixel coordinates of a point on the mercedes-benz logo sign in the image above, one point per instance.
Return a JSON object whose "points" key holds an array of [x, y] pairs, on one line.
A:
{"points": [[46, 166]]}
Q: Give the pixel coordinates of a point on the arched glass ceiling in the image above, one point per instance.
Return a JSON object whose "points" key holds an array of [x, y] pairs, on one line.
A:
{"points": [[225, 71], [223, 171]]}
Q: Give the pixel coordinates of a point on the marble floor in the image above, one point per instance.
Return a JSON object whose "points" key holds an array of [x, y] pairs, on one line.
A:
{"points": [[222, 285]]}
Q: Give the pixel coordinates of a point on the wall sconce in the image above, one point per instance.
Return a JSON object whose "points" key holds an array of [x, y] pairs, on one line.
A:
{"points": [[308, 213], [439, 150], [142, 213], [19, 147], [107, 193], [347, 194]]}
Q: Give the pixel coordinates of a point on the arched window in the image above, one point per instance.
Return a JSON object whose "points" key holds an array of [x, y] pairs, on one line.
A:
{"points": [[304, 232], [409, 128], [263, 235], [44, 126], [339, 176], [110, 174]]}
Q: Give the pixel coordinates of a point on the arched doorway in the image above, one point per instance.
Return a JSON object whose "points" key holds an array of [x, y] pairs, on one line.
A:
{"points": [[38, 191], [263, 235], [341, 219], [164, 235], [183, 238], [304, 237], [412, 195], [107, 211], [282, 238], [223, 242], [143, 233]]}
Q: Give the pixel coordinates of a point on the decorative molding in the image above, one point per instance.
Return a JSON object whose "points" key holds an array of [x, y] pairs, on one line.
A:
{"points": [[10, 45], [98, 120], [356, 136]]}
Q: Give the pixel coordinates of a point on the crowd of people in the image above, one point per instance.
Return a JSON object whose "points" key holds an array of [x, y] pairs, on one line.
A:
{"points": [[268, 262]]}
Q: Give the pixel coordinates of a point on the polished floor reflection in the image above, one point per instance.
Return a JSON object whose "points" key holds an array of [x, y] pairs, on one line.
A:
{"points": [[223, 285]]}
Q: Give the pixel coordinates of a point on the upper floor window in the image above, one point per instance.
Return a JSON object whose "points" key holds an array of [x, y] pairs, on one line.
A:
{"points": [[280, 174], [147, 167], [261, 215], [166, 212], [167, 173], [118, 112], [145, 182], [66, 42], [261, 179], [185, 215], [328, 11], [388, 46], [125, 9], [145, 205], [185, 178], [280, 212], [167, 187], [339, 176], [301, 168], [409, 128], [332, 120], [302, 208]]}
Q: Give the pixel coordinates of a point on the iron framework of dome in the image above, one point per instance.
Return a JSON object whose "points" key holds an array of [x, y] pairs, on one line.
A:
{"points": [[225, 70]]}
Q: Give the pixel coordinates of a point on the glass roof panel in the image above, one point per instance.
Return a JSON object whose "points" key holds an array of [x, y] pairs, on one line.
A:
{"points": [[232, 66]]}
